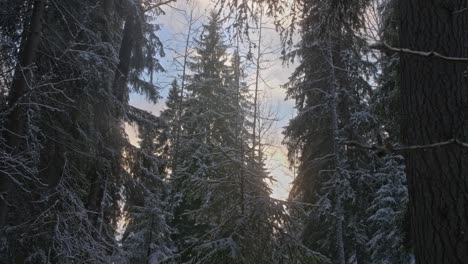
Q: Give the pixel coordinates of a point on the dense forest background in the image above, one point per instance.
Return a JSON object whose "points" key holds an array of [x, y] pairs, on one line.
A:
{"points": [[377, 145]]}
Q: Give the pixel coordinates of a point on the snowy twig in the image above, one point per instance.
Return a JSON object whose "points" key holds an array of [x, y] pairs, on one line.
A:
{"points": [[396, 148], [385, 47]]}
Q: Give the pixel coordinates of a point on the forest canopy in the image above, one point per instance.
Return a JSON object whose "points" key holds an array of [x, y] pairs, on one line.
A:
{"points": [[147, 131]]}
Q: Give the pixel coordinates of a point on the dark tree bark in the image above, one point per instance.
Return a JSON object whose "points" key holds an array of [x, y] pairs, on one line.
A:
{"points": [[125, 54], [15, 122], [434, 96]]}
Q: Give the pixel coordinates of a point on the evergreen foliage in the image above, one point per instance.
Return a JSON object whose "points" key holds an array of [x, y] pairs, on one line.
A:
{"points": [[331, 87], [196, 187]]}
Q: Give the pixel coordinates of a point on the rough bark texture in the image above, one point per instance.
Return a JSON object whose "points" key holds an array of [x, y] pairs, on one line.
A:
{"points": [[435, 108]]}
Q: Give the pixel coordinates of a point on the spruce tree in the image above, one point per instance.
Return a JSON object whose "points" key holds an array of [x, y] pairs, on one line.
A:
{"points": [[224, 214], [205, 177]]}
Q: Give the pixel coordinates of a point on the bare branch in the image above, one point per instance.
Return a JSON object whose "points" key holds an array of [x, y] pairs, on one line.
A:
{"points": [[382, 46], [398, 148]]}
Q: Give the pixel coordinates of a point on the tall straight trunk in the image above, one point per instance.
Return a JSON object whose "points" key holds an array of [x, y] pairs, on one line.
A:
{"points": [[125, 54], [257, 76], [181, 97], [339, 213], [15, 122], [434, 97], [239, 135], [150, 240]]}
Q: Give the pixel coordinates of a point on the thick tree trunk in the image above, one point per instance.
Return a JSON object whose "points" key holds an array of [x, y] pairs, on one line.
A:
{"points": [[434, 96], [15, 122]]}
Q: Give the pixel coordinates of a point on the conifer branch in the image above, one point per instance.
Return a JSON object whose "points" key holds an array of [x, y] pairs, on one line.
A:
{"points": [[398, 148], [382, 46]]}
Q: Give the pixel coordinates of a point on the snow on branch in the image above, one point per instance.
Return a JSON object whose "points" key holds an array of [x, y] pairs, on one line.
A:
{"points": [[396, 148], [382, 46]]}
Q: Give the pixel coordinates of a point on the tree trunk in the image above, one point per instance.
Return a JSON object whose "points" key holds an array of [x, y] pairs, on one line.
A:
{"points": [[15, 122], [339, 212], [257, 76], [239, 134], [150, 240], [125, 55], [180, 102], [434, 95]]}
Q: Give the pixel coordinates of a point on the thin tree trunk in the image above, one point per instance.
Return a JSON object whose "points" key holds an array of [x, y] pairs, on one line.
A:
{"points": [[181, 98], [95, 192], [15, 124], [434, 96], [239, 130], [125, 54], [242, 183], [339, 214], [102, 204], [257, 76], [150, 240]]}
